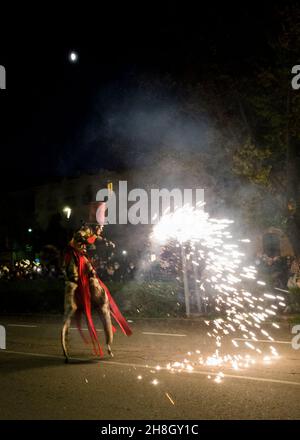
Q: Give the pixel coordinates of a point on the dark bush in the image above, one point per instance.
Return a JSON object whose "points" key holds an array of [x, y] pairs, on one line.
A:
{"points": [[155, 299], [30, 296]]}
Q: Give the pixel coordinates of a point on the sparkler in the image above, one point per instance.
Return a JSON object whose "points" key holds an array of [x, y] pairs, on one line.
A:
{"points": [[231, 286]]}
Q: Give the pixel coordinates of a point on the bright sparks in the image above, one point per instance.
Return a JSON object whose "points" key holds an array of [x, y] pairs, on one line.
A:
{"points": [[238, 298]]}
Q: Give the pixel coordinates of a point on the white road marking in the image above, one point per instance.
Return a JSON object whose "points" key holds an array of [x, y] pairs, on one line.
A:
{"points": [[265, 341], [127, 364], [206, 373], [86, 329], [158, 334], [32, 354], [162, 334], [101, 330]]}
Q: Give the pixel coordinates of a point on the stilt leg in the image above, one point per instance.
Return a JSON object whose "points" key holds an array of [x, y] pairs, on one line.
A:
{"points": [[70, 309], [102, 304]]}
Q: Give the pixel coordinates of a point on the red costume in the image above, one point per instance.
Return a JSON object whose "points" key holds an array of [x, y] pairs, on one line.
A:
{"points": [[84, 289]]}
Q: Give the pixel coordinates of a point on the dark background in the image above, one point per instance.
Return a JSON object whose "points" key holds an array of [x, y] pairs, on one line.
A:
{"points": [[47, 109]]}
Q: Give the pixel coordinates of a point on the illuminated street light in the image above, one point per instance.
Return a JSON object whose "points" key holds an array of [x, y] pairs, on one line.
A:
{"points": [[124, 252], [67, 211], [29, 230]]}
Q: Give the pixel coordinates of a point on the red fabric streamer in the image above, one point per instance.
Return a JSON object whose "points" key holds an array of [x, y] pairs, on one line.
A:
{"points": [[83, 300]]}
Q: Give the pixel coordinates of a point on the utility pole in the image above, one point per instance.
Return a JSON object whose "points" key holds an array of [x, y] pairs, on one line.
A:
{"points": [[185, 283]]}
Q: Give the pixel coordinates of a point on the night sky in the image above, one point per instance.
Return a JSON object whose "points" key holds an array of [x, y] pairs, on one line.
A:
{"points": [[56, 116]]}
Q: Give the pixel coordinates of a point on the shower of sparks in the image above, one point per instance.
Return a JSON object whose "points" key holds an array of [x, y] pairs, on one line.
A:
{"points": [[170, 398], [226, 283]]}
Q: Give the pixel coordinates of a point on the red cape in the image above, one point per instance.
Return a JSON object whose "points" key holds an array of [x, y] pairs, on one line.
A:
{"points": [[83, 301]]}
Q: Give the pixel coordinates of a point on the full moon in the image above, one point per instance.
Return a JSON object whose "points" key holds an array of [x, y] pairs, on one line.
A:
{"points": [[73, 57]]}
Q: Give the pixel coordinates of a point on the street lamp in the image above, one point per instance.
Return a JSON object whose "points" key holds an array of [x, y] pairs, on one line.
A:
{"points": [[67, 211]]}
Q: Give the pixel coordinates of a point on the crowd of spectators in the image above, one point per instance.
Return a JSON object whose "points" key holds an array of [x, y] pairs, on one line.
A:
{"points": [[280, 271], [27, 270], [33, 269], [113, 269]]}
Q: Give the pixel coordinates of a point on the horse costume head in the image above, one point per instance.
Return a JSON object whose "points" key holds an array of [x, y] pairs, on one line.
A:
{"points": [[85, 236]]}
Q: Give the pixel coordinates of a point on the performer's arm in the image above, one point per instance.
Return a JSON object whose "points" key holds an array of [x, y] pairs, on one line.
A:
{"points": [[96, 235]]}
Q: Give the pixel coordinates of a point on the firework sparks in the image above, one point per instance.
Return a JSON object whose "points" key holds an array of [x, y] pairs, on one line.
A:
{"points": [[225, 281], [170, 398]]}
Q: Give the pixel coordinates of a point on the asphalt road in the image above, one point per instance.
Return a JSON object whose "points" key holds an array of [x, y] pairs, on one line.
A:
{"points": [[136, 384]]}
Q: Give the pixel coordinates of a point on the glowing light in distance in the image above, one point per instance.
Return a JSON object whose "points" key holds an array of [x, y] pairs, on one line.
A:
{"points": [[67, 211]]}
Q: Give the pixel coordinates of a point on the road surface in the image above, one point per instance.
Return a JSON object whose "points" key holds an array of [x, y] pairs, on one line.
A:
{"points": [[137, 384]]}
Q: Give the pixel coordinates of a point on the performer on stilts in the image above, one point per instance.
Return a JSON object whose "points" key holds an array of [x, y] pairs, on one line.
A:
{"points": [[84, 289]]}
